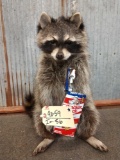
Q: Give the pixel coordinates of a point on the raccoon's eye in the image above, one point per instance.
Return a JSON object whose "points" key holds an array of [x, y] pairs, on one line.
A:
{"points": [[48, 46], [69, 42], [72, 46], [52, 42]]}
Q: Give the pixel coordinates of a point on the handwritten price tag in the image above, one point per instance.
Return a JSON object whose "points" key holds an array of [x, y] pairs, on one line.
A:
{"points": [[57, 116]]}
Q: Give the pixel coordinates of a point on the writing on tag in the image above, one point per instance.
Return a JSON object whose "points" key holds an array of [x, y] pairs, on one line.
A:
{"points": [[57, 116]]}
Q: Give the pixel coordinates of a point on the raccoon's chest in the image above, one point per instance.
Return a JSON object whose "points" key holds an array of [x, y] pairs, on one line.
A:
{"points": [[58, 92], [54, 77], [55, 80]]}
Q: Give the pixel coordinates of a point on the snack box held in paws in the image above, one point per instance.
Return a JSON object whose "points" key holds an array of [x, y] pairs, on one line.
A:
{"points": [[76, 102]]}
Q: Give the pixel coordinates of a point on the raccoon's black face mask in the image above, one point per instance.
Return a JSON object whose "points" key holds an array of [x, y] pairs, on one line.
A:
{"points": [[60, 38]]}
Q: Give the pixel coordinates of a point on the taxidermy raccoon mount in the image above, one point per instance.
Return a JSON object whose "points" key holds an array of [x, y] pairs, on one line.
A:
{"points": [[63, 42]]}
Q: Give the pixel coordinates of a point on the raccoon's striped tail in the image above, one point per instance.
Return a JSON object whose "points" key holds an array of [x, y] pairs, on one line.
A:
{"points": [[29, 104]]}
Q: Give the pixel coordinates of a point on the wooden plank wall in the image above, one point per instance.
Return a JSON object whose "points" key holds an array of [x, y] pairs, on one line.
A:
{"points": [[19, 52]]}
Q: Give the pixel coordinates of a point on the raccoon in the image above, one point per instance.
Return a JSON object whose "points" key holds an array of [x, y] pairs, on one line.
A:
{"points": [[63, 42]]}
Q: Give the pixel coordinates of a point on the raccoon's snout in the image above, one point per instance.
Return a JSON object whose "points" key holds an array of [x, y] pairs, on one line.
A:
{"points": [[60, 56]]}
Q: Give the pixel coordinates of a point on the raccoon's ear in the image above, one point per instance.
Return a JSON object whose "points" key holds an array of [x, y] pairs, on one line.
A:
{"points": [[44, 20], [77, 19]]}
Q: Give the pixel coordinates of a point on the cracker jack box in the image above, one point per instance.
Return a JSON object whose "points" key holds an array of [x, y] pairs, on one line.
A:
{"points": [[76, 102], [65, 118]]}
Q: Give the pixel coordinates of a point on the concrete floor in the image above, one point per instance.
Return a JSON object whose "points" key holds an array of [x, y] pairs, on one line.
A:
{"points": [[18, 139]]}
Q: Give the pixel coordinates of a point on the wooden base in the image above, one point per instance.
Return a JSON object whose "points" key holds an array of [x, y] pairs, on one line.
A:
{"points": [[12, 109], [100, 104]]}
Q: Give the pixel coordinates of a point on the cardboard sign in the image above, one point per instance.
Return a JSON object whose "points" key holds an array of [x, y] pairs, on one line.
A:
{"points": [[57, 116]]}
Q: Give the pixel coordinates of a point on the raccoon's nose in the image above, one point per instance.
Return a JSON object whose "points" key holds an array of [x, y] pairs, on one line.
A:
{"points": [[60, 56]]}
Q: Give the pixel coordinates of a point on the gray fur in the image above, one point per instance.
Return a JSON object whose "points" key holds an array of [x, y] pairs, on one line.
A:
{"points": [[51, 75]]}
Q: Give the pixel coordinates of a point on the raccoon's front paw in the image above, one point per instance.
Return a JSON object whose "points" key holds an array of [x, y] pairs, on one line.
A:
{"points": [[49, 128], [42, 146]]}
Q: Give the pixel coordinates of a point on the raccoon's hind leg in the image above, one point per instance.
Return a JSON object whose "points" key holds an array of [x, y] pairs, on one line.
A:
{"points": [[88, 124], [42, 146], [42, 131], [97, 144], [39, 126]]}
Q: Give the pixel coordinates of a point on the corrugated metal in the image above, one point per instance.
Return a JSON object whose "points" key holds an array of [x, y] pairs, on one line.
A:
{"points": [[2, 73], [20, 18], [102, 23]]}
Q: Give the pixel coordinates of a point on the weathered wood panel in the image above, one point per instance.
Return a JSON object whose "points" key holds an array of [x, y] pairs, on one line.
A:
{"points": [[20, 18]]}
